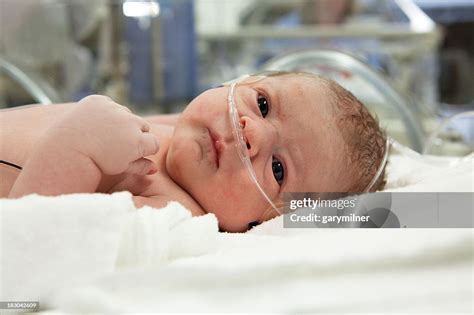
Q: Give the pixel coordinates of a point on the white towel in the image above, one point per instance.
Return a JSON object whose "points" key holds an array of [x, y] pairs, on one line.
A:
{"points": [[52, 242], [318, 271], [429, 173]]}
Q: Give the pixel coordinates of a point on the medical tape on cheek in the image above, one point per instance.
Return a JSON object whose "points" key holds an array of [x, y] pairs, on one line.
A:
{"points": [[241, 144]]}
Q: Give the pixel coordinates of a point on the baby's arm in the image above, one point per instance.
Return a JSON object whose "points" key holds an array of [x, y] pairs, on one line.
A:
{"points": [[98, 137], [55, 169]]}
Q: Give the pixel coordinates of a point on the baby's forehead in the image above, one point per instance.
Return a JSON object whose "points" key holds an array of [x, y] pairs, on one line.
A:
{"points": [[303, 83], [308, 117], [302, 89], [296, 78]]}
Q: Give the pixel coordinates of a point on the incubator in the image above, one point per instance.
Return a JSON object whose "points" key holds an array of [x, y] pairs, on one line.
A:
{"points": [[454, 136], [395, 37]]}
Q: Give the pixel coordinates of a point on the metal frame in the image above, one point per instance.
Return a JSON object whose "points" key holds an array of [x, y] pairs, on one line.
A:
{"points": [[34, 85]]}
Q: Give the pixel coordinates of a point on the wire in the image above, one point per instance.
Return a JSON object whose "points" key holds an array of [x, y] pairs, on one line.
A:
{"points": [[11, 164]]}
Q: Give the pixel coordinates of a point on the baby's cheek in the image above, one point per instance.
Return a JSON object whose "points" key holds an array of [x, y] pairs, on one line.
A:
{"points": [[222, 201], [229, 195]]}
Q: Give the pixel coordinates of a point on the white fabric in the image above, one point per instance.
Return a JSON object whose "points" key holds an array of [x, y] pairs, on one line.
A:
{"points": [[320, 270], [428, 173], [96, 253], [51, 242]]}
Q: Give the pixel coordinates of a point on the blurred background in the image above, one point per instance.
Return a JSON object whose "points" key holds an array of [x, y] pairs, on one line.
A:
{"points": [[410, 62]]}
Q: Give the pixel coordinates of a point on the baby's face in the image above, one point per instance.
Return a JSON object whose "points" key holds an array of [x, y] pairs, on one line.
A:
{"points": [[293, 143]]}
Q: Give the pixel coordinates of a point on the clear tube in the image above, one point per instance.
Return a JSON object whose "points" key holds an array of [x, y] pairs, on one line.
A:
{"points": [[381, 166], [241, 144]]}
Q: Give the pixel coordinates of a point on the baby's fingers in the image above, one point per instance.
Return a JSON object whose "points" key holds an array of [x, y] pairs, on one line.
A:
{"points": [[148, 144], [141, 167]]}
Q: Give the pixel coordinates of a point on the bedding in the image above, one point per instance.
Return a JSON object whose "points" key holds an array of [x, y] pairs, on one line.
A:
{"points": [[97, 253]]}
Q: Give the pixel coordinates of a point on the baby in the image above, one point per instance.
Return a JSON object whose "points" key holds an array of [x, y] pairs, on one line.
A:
{"points": [[303, 133]]}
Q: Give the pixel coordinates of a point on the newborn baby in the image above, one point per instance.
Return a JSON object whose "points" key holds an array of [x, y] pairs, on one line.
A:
{"points": [[303, 133]]}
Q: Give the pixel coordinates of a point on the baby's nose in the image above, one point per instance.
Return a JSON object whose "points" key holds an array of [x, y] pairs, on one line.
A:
{"points": [[257, 135]]}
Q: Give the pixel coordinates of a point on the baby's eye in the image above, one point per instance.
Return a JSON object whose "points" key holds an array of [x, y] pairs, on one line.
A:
{"points": [[278, 171], [263, 105]]}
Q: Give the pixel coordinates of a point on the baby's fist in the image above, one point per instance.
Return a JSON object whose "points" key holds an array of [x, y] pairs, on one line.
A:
{"points": [[108, 133]]}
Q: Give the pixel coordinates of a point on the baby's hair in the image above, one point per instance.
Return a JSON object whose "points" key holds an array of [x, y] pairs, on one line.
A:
{"points": [[364, 140]]}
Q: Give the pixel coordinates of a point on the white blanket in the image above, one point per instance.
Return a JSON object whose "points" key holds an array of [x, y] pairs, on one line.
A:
{"points": [[97, 253], [50, 242], [319, 271]]}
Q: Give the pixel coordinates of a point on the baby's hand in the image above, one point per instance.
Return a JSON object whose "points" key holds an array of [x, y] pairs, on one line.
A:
{"points": [[109, 134]]}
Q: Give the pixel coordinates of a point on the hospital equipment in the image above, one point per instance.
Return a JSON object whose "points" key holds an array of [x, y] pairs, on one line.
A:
{"points": [[48, 40], [161, 53], [396, 37], [31, 82], [460, 144]]}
